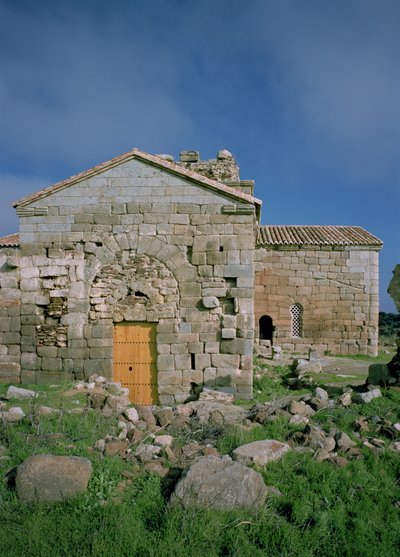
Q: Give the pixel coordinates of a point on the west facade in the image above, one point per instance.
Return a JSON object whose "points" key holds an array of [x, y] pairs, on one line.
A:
{"points": [[157, 273]]}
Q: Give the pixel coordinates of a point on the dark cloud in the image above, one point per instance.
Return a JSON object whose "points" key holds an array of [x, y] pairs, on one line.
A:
{"points": [[304, 93]]}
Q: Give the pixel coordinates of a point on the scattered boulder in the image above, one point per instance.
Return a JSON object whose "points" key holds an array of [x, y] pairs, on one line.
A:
{"points": [[321, 454], [221, 484], [344, 399], [147, 453], [165, 416], [260, 452], [298, 420], [146, 415], [46, 411], [46, 478], [218, 413], [301, 408], [14, 414], [115, 447], [364, 398], [339, 460], [318, 403], [20, 393], [156, 468], [163, 440], [115, 404], [329, 444], [211, 395], [344, 442], [320, 393], [131, 414]]}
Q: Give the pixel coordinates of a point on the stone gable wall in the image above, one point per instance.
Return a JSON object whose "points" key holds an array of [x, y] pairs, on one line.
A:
{"points": [[139, 244], [337, 288]]}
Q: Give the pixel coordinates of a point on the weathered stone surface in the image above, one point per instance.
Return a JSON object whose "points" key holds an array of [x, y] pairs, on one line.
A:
{"points": [[211, 395], [163, 440], [146, 415], [298, 420], [14, 414], [46, 478], [320, 393], [210, 302], [115, 447], [19, 393], [301, 408], [260, 452], [156, 468], [146, 453], [131, 414], [345, 399], [214, 483], [364, 398], [321, 454], [217, 412], [165, 416], [344, 442]]}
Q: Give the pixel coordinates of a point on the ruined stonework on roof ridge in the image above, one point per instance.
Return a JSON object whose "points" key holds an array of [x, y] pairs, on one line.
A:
{"points": [[174, 248]]}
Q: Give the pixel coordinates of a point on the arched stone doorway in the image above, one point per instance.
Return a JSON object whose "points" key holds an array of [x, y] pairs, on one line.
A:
{"points": [[266, 328], [129, 300]]}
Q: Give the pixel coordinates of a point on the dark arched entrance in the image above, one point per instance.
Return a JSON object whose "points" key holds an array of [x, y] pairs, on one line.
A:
{"points": [[266, 328]]}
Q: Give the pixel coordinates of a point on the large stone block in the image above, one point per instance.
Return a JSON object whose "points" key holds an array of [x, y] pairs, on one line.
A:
{"points": [[169, 378], [48, 478], [10, 372], [237, 346], [30, 361], [220, 484], [165, 362], [52, 364], [225, 360], [100, 366]]}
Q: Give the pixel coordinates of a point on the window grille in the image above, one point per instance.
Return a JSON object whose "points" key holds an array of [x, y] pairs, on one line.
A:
{"points": [[297, 320]]}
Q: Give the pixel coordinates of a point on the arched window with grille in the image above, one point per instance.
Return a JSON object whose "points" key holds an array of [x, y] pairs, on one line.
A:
{"points": [[296, 312]]}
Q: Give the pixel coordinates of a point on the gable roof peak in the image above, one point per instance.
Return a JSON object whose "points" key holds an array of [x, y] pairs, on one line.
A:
{"points": [[153, 160]]}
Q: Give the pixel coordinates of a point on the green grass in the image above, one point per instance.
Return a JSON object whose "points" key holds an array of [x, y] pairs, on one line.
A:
{"points": [[383, 356], [324, 511]]}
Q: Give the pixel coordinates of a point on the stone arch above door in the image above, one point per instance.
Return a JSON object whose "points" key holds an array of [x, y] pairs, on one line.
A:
{"points": [[135, 288]]}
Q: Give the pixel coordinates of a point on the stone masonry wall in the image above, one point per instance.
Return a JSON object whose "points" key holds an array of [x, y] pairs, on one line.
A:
{"points": [[137, 243], [337, 288], [10, 321]]}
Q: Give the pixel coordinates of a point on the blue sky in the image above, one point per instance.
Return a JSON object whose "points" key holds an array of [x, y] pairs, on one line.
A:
{"points": [[306, 94]]}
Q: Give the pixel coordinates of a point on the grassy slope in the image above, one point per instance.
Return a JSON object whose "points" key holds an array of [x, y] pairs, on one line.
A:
{"points": [[325, 510]]}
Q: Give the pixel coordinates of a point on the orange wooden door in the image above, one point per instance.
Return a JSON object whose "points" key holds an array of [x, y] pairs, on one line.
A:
{"points": [[135, 360]]}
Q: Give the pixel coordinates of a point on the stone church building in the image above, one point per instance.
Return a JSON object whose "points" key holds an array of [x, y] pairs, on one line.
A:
{"points": [[157, 273]]}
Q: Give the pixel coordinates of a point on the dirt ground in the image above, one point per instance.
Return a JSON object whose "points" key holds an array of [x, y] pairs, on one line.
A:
{"points": [[340, 371]]}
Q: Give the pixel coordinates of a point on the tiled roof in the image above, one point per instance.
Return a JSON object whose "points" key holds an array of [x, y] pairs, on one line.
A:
{"points": [[10, 241], [316, 236], [150, 159]]}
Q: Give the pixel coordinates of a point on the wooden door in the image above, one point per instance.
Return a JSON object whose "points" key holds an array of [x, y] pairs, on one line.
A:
{"points": [[135, 360]]}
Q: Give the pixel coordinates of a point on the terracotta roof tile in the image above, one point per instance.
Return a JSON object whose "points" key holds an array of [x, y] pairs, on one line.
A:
{"points": [[283, 235], [12, 240]]}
